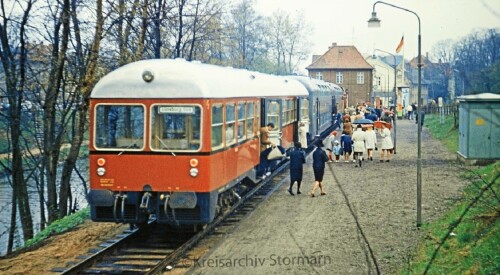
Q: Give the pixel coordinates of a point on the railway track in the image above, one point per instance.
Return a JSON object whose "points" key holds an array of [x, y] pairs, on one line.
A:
{"points": [[156, 248]]}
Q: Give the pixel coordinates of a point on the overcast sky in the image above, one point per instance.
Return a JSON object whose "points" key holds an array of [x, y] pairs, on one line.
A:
{"points": [[345, 22]]}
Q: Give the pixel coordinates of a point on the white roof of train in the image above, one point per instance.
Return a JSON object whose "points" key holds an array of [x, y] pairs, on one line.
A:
{"points": [[178, 78], [313, 84]]}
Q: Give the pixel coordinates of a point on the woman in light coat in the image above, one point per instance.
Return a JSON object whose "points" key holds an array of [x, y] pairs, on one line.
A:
{"points": [[358, 144], [303, 135], [387, 145], [370, 142]]}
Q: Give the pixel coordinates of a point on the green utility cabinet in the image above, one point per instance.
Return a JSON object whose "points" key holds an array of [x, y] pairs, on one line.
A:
{"points": [[479, 128]]}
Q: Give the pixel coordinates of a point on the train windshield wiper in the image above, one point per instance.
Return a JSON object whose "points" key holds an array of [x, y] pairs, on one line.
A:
{"points": [[165, 145], [132, 144]]}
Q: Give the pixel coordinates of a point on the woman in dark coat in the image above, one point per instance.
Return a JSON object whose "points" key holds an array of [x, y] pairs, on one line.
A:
{"points": [[319, 159], [297, 158]]}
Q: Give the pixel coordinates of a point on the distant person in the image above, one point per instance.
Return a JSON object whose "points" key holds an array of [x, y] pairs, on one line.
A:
{"points": [[370, 142], [420, 117], [371, 116], [303, 135], [297, 159], [319, 159], [330, 142], [337, 150], [358, 143], [387, 145], [409, 111], [346, 143], [265, 142], [413, 110], [348, 126], [264, 136]]}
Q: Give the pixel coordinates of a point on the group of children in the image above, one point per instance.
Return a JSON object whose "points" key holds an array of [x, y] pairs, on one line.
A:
{"points": [[333, 148], [356, 143]]}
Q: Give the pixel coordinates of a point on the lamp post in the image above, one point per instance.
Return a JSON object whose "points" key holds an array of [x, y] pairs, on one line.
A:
{"points": [[375, 22], [395, 96]]}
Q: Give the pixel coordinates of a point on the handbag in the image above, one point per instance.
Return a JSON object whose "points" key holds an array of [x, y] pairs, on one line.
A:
{"points": [[275, 153]]}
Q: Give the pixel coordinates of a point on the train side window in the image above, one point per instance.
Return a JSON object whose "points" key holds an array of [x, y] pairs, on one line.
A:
{"points": [[250, 119], [175, 127], [230, 124], [304, 110], [241, 121], [119, 126], [273, 113], [217, 123]]}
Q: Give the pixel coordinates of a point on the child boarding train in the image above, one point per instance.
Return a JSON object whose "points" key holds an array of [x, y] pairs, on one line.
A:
{"points": [[175, 139]]}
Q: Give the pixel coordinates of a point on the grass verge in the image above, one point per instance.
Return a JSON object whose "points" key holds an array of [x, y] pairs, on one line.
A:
{"points": [[467, 239], [60, 226]]}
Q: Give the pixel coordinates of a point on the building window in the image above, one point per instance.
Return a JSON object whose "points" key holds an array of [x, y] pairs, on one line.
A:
{"points": [[360, 78], [319, 75], [340, 78]]}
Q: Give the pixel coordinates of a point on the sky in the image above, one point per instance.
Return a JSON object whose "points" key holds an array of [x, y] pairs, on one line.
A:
{"points": [[345, 22]]}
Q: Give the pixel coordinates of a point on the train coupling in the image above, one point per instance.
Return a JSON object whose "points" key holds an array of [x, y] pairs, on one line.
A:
{"points": [[145, 200]]}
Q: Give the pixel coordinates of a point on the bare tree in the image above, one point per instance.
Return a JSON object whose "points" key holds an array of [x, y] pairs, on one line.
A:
{"points": [[13, 55], [84, 77], [246, 36], [296, 43]]}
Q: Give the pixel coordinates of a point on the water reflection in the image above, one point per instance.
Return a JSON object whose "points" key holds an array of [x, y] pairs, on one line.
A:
{"points": [[78, 191]]}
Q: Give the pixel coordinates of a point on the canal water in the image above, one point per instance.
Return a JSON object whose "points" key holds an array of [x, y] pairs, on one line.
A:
{"points": [[78, 191]]}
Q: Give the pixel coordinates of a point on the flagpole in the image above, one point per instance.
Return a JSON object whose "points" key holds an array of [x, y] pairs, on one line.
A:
{"points": [[403, 74]]}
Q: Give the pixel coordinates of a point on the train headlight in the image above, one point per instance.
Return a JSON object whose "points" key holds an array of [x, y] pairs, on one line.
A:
{"points": [[193, 172], [193, 162], [101, 171], [148, 76], [101, 162]]}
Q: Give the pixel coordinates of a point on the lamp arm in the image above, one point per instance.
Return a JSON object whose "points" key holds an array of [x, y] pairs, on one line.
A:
{"points": [[397, 7]]}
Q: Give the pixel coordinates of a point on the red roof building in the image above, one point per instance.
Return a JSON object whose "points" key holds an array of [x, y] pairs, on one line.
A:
{"points": [[346, 67]]}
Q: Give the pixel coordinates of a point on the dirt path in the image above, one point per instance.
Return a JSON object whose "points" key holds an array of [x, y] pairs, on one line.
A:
{"points": [[365, 223]]}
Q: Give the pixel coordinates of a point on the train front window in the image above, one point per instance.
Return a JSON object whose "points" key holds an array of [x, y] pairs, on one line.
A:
{"points": [[119, 127], [175, 127]]}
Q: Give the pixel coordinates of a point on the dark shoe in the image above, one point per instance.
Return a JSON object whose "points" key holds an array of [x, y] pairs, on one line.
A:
{"points": [[381, 160], [360, 163], [290, 191], [311, 194], [323, 193], [387, 160], [298, 192]]}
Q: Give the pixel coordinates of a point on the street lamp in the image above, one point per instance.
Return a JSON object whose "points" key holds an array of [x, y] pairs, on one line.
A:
{"points": [[375, 22], [395, 95]]}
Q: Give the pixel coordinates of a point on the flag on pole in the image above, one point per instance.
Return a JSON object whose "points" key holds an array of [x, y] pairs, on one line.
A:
{"points": [[401, 44]]}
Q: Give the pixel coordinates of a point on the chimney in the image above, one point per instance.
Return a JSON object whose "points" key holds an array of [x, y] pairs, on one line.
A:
{"points": [[334, 44]]}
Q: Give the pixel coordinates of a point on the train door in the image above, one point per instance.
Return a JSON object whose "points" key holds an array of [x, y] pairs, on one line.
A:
{"points": [[304, 113], [317, 116], [271, 113]]}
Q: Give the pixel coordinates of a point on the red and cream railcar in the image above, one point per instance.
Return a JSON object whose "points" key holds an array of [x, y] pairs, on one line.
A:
{"points": [[172, 138]]}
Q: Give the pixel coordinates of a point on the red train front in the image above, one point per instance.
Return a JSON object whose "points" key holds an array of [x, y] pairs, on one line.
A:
{"points": [[173, 139]]}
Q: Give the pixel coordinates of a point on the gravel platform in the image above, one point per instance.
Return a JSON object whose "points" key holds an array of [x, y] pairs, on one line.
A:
{"points": [[365, 224]]}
